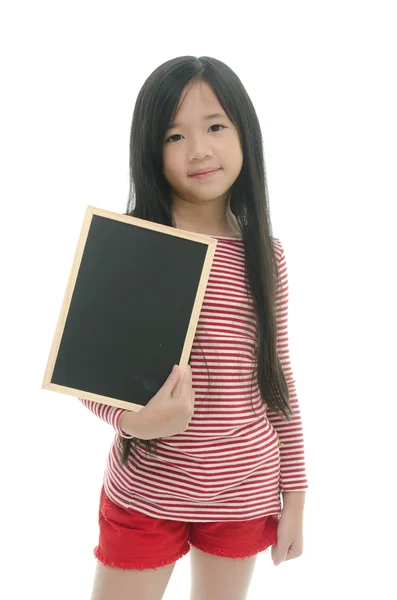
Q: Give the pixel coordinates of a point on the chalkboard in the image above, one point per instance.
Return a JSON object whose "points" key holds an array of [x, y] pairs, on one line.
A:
{"points": [[130, 309]]}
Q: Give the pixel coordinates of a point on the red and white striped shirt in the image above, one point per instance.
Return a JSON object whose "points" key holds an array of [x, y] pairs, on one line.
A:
{"points": [[231, 463]]}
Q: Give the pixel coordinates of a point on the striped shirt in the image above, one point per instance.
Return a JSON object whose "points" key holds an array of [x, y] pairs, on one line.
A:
{"points": [[232, 462]]}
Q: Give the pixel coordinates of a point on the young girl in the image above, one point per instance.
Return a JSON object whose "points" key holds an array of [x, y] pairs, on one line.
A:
{"points": [[205, 472]]}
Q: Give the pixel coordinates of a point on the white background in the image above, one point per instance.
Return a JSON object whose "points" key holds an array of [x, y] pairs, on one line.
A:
{"points": [[322, 76]]}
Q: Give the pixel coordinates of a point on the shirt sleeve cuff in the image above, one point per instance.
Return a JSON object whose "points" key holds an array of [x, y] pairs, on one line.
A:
{"points": [[116, 425]]}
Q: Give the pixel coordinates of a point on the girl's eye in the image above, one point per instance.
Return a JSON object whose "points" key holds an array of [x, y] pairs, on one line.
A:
{"points": [[177, 134], [170, 138], [216, 126]]}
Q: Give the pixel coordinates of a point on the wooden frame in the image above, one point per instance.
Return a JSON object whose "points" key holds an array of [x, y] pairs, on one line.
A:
{"points": [[91, 211]]}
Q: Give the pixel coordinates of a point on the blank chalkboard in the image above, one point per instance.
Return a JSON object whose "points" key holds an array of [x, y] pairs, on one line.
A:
{"points": [[130, 309]]}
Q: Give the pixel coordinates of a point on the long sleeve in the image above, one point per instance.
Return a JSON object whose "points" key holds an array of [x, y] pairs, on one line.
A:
{"points": [[109, 414], [292, 454]]}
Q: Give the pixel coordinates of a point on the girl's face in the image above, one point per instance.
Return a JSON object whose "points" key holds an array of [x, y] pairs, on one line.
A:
{"points": [[194, 141]]}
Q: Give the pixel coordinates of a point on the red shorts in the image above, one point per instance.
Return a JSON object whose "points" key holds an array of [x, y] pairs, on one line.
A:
{"points": [[129, 539]]}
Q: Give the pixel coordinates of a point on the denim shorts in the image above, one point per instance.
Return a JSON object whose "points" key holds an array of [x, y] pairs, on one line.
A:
{"points": [[129, 539]]}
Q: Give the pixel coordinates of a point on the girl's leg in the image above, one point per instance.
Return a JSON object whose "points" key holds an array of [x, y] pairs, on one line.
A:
{"points": [[111, 583], [221, 578]]}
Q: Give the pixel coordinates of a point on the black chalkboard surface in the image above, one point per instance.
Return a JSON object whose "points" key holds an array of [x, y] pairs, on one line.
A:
{"points": [[130, 309]]}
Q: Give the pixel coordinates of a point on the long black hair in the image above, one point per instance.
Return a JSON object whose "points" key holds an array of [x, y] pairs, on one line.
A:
{"points": [[150, 198]]}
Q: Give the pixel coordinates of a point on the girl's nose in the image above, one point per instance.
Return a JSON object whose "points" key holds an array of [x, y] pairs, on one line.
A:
{"points": [[199, 149]]}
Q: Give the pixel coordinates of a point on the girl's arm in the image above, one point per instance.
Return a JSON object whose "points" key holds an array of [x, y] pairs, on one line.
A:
{"points": [[109, 414], [292, 470]]}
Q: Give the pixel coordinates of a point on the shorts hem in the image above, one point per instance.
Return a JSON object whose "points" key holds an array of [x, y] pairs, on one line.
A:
{"points": [[227, 554], [140, 565]]}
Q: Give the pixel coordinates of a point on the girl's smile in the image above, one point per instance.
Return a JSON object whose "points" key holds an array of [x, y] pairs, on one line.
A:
{"points": [[205, 175]]}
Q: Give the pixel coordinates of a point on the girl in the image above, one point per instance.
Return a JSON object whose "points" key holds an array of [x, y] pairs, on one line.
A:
{"points": [[206, 472]]}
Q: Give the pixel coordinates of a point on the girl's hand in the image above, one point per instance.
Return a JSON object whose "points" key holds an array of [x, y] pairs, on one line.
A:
{"points": [[167, 414], [289, 536]]}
